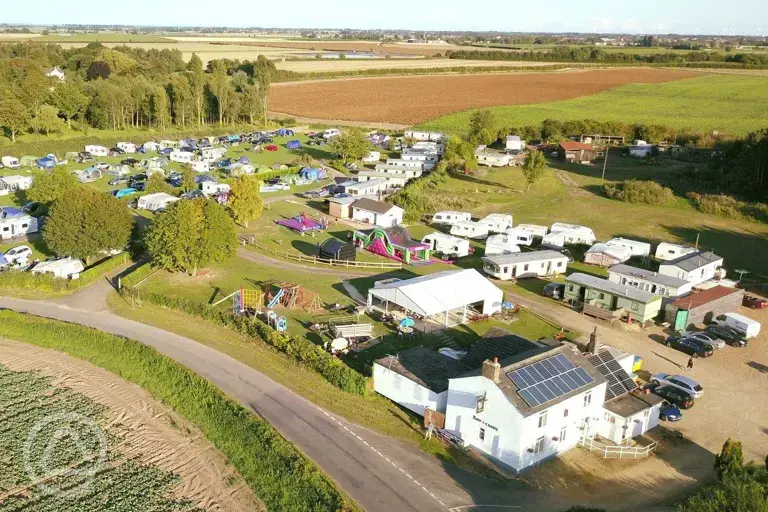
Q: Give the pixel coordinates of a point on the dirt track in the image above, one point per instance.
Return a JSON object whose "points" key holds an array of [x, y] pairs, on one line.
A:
{"points": [[413, 99]]}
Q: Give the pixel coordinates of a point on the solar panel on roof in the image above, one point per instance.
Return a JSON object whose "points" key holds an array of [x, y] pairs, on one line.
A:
{"points": [[619, 382], [548, 379]]}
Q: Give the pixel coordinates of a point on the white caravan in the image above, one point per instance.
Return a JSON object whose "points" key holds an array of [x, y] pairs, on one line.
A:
{"points": [[451, 218], [501, 244], [447, 244], [470, 229]]}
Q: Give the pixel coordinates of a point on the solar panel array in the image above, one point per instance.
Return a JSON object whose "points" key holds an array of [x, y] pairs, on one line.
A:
{"points": [[619, 382], [543, 381]]}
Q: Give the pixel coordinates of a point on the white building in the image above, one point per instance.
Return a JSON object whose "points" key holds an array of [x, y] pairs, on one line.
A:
{"points": [[695, 267], [501, 244], [11, 184], [445, 298], [514, 143], [491, 158], [63, 269], [636, 247], [525, 264], [447, 244], [128, 147], [183, 157], [667, 251], [199, 166], [414, 378], [470, 229], [392, 180], [366, 188], [14, 222], [213, 187], [497, 222], [155, 202], [97, 150], [377, 213], [424, 136], [649, 281], [536, 229], [450, 218]]}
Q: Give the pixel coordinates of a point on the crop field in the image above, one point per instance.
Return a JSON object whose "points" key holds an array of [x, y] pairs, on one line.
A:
{"points": [[74, 435], [728, 103], [363, 46], [331, 65], [412, 100]]}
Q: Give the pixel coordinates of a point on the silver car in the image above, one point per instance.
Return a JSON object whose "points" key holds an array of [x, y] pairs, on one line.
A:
{"points": [[706, 337], [687, 384]]}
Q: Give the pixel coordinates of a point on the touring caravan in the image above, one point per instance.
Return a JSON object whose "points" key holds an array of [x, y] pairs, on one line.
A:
{"points": [[331, 133], [745, 325], [63, 268], [501, 244], [537, 230], [183, 157], [447, 245], [211, 154], [667, 251], [14, 222], [520, 236], [637, 248], [497, 222], [470, 229], [11, 162], [451, 218], [97, 150], [573, 233], [128, 147]]}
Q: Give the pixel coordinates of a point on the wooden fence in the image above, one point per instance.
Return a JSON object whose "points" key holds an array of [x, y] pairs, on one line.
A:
{"points": [[314, 260]]}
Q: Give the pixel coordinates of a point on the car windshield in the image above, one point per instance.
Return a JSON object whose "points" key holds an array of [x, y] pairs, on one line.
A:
{"points": [[697, 387]]}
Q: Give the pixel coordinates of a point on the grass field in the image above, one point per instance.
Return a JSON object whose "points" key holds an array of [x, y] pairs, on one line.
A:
{"points": [[731, 104]]}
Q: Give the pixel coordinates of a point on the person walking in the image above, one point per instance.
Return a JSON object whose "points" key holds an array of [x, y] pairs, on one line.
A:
{"points": [[690, 364]]}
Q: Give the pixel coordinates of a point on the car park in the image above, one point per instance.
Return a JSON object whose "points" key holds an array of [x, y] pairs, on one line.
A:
{"points": [[754, 302], [669, 412], [730, 336], [706, 338], [19, 254], [690, 346], [687, 384], [675, 395]]}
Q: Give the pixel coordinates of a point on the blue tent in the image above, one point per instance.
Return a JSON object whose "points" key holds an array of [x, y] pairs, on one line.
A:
{"points": [[243, 160], [225, 163], [293, 144], [312, 174], [3, 261], [285, 132], [46, 163], [233, 138]]}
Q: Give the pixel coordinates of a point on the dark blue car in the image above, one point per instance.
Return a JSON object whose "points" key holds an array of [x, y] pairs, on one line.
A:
{"points": [[669, 412]]}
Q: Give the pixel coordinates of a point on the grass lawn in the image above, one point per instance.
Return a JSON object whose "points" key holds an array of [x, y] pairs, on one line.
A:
{"points": [[730, 104]]}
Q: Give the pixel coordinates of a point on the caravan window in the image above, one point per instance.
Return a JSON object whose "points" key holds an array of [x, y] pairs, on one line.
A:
{"points": [[635, 307], [559, 263], [525, 267], [24, 226]]}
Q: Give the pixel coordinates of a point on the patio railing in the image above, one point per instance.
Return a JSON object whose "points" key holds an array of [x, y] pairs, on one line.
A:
{"points": [[618, 451]]}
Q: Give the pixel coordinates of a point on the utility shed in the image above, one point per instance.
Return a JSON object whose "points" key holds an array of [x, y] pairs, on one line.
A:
{"points": [[447, 297], [576, 152], [592, 291], [700, 307]]}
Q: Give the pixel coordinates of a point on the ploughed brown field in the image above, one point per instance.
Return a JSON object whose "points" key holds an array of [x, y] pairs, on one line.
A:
{"points": [[411, 100]]}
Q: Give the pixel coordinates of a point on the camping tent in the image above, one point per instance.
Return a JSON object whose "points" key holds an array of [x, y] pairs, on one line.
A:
{"points": [[285, 132], [46, 163], [28, 161], [293, 144], [243, 160], [335, 249], [313, 174]]}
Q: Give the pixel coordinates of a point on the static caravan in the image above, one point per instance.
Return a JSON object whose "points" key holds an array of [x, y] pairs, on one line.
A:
{"points": [[371, 157], [128, 147], [637, 248], [393, 180], [525, 264], [537, 230], [451, 218], [14, 222], [97, 150], [447, 245], [366, 188], [10, 162], [521, 236], [492, 158], [200, 166], [574, 234], [501, 244], [557, 239], [431, 147], [155, 202], [667, 251], [400, 171], [603, 255], [63, 268], [183, 157], [470, 229], [211, 154], [497, 222], [419, 156], [424, 136], [11, 184], [213, 187], [408, 164]]}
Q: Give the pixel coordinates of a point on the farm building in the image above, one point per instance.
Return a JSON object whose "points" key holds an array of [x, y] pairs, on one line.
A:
{"points": [[408, 173], [520, 236], [600, 294], [392, 180], [537, 230], [335, 249], [155, 202], [447, 245], [497, 222], [424, 136], [183, 157], [97, 150], [649, 281], [12, 184], [603, 255], [128, 147], [394, 243], [667, 251], [470, 229], [199, 166], [14, 222], [210, 188], [514, 143], [377, 213], [695, 267], [501, 244], [445, 298], [700, 307], [450, 218], [492, 158], [65, 268], [525, 264], [10, 162], [340, 207], [576, 152], [637, 248], [365, 188]]}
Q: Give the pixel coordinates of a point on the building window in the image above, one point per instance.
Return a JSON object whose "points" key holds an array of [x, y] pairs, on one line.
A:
{"points": [[623, 280], [563, 432], [565, 413], [480, 405], [482, 434], [601, 296], [559, 263], [543, 419], [539, 446], [570, 287], [525, 267], [635, 306], [587, 399]]}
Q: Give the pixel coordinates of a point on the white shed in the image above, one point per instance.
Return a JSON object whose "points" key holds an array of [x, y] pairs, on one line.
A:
{"points": [[470, 229], [525, 264], [97, 150], [377, 213], [497, 222], [450, 218], [501, 244], [155, 202], [63, 268], [447, 244]]}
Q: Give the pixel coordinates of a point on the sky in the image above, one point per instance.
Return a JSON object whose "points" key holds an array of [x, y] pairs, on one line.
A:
{"points": [[736, 17]]}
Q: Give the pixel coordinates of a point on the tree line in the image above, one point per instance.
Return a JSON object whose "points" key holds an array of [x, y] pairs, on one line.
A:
{"points": [[119, 88]]}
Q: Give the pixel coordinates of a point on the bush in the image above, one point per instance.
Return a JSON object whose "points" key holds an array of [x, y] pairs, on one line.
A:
{"points": [[729, 207], [419, 196], [639, 192], [47, 283]]}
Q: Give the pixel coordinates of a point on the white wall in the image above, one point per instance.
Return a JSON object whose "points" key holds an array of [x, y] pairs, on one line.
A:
{"points": [[612, 425], [694, 277], [648, 286], [527, 269], [405, 392]]}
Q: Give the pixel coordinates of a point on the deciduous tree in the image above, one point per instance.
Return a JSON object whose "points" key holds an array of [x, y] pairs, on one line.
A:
{"points": [[70, 101], [350, 145], [47, 187], [196, 76], [730, 460], [47, 120], [156, 183], [263, 76], [245, 201], [188, 180], [14, 116], [534, 167]]}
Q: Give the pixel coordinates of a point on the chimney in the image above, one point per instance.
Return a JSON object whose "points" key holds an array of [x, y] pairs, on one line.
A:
{"points": [[492, 369], [594, 345]]}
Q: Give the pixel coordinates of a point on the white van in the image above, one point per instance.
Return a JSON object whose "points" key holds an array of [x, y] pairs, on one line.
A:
{"points": [[520, 236], [745, 325], [470, 229], [451, 218]]}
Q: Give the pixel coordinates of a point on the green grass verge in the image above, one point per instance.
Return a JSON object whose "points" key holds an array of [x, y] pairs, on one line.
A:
{"points": [[731, 104], [276, 471]]}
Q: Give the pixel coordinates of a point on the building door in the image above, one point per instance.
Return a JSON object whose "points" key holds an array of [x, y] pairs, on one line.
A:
{"points": [[549, 268], [514, 270], [681, 320]]}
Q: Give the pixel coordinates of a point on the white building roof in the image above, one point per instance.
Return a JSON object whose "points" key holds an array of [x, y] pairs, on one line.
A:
{"points": [[436, 293], [524, 257], [604, 285], [620, 252]]}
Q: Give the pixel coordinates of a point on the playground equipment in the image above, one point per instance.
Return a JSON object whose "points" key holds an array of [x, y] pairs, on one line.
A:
{"points": [[291, 295], [278, 323], [302, 223], [244, 300], [393, 243]]}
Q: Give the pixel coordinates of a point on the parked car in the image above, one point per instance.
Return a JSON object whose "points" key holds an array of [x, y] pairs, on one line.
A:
{"points": [[139, 185], [687, 384], [690, 346], [129, 161], [745, 325], [117, 151], [730, 336], [706, 338], [19, 254], [554, 290], [677, 396], [669, 412], [118, 181], [754, 302]]}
